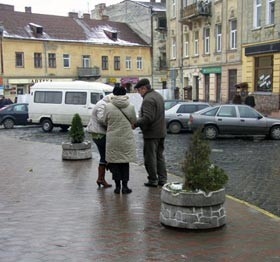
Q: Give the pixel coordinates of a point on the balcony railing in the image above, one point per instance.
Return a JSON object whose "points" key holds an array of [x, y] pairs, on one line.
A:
{"points": [[88, 72], [201, 8]]}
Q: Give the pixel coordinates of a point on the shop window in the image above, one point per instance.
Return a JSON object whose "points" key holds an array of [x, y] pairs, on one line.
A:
{"points": [[263, 73]]}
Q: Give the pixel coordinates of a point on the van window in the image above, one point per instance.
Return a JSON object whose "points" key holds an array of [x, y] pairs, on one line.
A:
{"points": [[76, 98], [95, 97], [51, 97]]}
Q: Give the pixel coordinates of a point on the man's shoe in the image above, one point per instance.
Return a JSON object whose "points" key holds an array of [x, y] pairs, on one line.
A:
{"points": [[149, 184], [161, 183]]}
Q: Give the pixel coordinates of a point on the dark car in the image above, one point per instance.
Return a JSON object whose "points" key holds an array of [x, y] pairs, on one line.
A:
{"points": [[14, 114], [177, 116], [234, 120]]}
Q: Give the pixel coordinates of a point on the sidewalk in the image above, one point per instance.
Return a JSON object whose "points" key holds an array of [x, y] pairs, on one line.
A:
{"points": [[51, 210]]}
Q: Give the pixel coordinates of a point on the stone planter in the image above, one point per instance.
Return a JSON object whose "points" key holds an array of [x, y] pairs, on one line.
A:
{"points": [[192, 210], [78, 151]]}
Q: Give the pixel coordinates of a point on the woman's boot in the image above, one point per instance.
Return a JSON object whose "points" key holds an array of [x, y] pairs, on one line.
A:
{"points": [[101, 177], [118, 187], [125, 189]]}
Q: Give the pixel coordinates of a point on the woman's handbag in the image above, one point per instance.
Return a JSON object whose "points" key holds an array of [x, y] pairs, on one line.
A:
{"points": [[89, 127]]}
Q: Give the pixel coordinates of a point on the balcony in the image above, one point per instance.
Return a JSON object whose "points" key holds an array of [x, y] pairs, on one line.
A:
{"points": [[88, 72], [195, 11]]}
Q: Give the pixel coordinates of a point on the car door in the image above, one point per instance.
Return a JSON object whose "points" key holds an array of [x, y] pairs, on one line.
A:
{"points": [[227, 120], [252, 122], [20, 113], [183, 113]]}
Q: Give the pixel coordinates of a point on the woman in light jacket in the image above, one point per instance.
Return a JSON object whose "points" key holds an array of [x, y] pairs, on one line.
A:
{"points": [[98, 131], [119, 115]]}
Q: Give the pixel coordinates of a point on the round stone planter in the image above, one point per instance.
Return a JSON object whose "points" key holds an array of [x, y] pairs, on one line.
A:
{"points": [[192, 210], [77, 151]]}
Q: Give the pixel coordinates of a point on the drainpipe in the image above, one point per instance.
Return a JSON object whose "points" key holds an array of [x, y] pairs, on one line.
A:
{"points": [[1, 49]]}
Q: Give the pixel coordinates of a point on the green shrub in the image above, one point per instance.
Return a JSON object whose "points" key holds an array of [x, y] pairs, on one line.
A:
{"points": [[199, 172], [77, 133]]}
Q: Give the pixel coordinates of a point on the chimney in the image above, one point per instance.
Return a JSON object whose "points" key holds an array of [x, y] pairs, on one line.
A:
{"points": [[86, 16], [152, 1], [73, 15], [105, 18], [10, 8], [28, 9]]}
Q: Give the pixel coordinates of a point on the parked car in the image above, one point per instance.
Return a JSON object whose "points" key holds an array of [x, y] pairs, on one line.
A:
{"points": [[234, 120], [170, 103], [177, 116], [14, 114]]}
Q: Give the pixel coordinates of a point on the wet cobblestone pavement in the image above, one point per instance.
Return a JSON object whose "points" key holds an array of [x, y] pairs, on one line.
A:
{"points": [[52, 211], [253, 165]]}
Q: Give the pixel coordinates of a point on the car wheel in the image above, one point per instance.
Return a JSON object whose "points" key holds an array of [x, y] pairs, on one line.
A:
{"points": [[8, 123], [275, 132], [210, 132], [47, 125], [174, 128]]}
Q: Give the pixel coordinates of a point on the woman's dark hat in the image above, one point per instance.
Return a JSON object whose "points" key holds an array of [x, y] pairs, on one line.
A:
{"points": [[142, 82], [119, 91]]}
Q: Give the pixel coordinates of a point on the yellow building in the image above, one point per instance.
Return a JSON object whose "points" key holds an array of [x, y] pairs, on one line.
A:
{"points": [[36, 48], [261, 52]]}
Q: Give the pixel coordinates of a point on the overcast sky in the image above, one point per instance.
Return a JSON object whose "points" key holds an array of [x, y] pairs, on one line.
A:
{"points": [[57, 7]]}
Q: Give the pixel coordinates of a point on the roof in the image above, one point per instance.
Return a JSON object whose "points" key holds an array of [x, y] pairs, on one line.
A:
{"points": [[156, 7], [61, 28]]}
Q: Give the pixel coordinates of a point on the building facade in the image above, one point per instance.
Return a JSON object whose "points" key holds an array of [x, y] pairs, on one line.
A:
{"points": [[36, 48], [148, 19], [205, 49], [261, 52]]}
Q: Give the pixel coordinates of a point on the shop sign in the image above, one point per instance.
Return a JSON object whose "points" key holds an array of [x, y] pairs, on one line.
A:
{"points": [[211, 70], [112, 80], [131, 80]]}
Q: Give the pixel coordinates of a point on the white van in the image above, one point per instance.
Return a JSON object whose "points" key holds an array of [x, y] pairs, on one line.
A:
{"points": [[55, 103]]}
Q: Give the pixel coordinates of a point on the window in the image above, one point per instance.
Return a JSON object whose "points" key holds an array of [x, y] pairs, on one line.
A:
{"points": [[105, 65], [270, 12], [246, 112], [139, 63], [117, 63], [186, 45], [95, 97], [173, 8], [128, 64], [51, 97], [206, 40], [86, 61], [173, 48], [66, 61], [186, 109], [263, 73], [233, 34], [211, 112], [218, 38], [227, 111], [257, 13], [76, 98], [196, 43], [38, 60], [19, 59], [52, 60]]}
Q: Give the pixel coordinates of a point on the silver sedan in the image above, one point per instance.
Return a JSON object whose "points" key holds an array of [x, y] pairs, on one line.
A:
{"points": [[177, 116], [234, 120]]}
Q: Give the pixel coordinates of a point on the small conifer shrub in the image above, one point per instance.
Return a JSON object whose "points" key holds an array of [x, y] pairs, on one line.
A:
{"points": [[199, 172], [77, 133]]}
